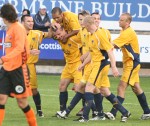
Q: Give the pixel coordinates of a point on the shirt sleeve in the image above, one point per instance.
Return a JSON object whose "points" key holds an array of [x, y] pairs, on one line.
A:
{"points": [[123, 39], [20, 39]]}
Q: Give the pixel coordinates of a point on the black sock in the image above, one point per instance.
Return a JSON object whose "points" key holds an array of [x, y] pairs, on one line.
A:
{"points": [[74, 101], [114, 110], [26, 109], [93, 107], [83, 101], [117, 104], [143, 103], [2, 106], [63, 98], [37, 101], [89, 97], [98, 98]]}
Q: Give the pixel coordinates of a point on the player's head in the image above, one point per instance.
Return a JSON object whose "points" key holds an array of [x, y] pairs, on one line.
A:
{"points": [[82, 15], [57, 14], [27, 22], [58, 31], [125, 20], [8, 13], [97, 18], [25, 12], [89, 23]]}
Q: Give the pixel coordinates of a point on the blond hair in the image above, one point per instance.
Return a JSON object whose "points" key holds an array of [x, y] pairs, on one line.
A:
{"points": [[89, 20]]}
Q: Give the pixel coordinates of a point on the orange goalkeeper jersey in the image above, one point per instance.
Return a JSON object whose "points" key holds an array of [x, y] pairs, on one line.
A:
{"points": [[16, 47]]}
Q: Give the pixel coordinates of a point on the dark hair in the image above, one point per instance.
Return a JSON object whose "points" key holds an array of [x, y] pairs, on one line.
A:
{"points": [[56, 9], [84, 13], [28, 12], [97, 13], [55, 28], [9, 13], [23, 17]]}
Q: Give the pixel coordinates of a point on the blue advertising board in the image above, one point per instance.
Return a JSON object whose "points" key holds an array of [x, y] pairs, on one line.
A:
{"points": [[50, 49], [110, 10]]}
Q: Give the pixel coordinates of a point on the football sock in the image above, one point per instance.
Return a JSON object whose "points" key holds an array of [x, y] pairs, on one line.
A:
{"points": [[114, 110], [74, 101], [63, 98], [2, 114], [37, 101], [143, 103], [116, 104], [98, 98], [83, 101], [89, 97], [30, 116]]}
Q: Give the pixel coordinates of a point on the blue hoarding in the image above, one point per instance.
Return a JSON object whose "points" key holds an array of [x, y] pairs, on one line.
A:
{"points": [[109, 9]]}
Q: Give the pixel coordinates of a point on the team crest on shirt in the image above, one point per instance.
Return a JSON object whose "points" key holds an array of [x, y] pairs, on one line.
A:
{"points": [[92, 41], [90, 49], [83, 44], [33, 39], [69, 45], [84, 35]]}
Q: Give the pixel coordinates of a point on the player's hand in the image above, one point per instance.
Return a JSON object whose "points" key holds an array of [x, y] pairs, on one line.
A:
{"points": [[47, 24], [115, 71], [81, 67], [64, 39], [35, 52]]}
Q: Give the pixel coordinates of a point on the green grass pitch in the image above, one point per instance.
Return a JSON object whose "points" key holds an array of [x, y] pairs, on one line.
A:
{"points": [[48, 87]]}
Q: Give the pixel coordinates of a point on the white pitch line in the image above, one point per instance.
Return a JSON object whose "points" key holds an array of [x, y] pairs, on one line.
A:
{"points": [[72, 97]]}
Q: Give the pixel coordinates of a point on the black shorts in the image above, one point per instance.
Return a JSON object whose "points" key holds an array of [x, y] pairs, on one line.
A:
{"points": [[12, 81]]}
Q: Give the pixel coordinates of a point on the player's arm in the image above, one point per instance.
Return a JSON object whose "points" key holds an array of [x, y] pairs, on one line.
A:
{"points": [[113, 63], [67, 36], [84, 56], [86, 61]]}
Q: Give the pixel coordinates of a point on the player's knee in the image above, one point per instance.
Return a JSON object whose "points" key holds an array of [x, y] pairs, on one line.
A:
{"points": [[137, 89], [22, 103], [63, 87], [3, 99]]}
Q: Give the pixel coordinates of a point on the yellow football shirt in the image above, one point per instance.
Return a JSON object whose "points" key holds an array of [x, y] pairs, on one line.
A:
{"points": [[70, 21], [83, 37], [128, 42], [35, 38], [99, 45], [71, 49]]}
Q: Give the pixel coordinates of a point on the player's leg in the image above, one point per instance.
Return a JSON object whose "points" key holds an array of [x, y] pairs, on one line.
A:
{"points": [[3, 100], [28, 111], [5, 88], [116, 104], [79, 89], [89, 98], [78, 96], [142, 100], [63, 95], [121, 96], [34, 85]]}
